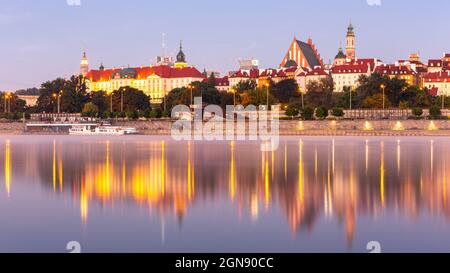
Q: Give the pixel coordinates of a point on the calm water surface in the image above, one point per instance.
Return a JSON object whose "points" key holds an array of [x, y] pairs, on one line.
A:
{"points": [[151, 194]]}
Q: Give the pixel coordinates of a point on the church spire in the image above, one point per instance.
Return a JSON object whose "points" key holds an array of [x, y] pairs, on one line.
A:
{"points": [[181, 58]]}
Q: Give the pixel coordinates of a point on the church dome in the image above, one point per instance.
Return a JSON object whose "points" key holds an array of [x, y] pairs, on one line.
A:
{"points": [[340, 54]]}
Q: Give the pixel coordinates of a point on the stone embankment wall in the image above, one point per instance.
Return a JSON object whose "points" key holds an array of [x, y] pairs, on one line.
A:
{"points": [[295, 127], [342, 127]]}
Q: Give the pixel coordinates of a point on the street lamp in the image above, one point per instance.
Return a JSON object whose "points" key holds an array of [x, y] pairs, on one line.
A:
{"points": [[234, 95], [383, 87], [8, 97], [121, 99], [111, 101], [57, 96], [267, 90], [300, 89], [443, 98], [190, 87]]}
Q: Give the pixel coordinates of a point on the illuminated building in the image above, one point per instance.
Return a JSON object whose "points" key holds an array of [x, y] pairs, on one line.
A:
{"points": [[397, 71], [438, 83], [302, 54], [156, 81]]}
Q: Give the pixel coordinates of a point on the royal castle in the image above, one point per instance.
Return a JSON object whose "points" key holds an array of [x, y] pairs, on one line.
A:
{"points": [[156, 80]]}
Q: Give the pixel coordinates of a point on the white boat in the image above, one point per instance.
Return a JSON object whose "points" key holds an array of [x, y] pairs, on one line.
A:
{"points": [[98, 130]]}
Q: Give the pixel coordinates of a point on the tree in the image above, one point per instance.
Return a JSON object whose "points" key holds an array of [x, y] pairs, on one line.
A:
{"points": [[342, 99], [72, 92], [321, 112], [259, 97], [320, 93], [285, 90], [90, 109], [375, 102], [101, 100], [435, 112], [133, 100], [247, 85]]}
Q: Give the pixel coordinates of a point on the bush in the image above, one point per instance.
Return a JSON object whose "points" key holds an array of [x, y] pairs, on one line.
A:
{"points": [[337, 112], [292, 111], [307, 113], [321, 112], [106, 114], [147, 113], [90, 110], [122, 115], [417, 112], [27, 115], [435, 112], [18, 116], [132, 114]]}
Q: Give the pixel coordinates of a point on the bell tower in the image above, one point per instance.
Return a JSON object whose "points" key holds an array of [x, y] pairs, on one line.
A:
{"points": [[350, 47]]}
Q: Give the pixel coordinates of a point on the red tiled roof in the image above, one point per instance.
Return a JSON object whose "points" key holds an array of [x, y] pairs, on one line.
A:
{"points": [[318, 71], [435, 63], [291, 70], [254, 73], [372, 62], [394, 70], [350, 69], [220, 81], [437, 77], [162, 71]]}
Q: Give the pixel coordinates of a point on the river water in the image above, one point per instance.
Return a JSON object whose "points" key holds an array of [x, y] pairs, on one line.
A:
{"points": [[153, 194]]}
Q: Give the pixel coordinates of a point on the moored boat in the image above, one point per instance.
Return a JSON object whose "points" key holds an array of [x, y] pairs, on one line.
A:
{"points": [[93, 130]]}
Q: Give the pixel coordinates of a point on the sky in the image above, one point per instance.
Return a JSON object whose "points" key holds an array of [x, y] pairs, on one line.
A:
{"points": [[44, 39]]}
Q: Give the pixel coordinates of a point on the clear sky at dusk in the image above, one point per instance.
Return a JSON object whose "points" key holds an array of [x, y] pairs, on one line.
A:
{"points": [[41, 40]]}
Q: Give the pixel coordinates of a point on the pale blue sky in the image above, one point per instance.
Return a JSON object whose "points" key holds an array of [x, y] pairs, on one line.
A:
{"points": [[43, 39]]}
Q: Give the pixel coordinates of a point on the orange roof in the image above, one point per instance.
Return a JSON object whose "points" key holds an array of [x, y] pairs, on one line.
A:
{"points": [[162, 71]]}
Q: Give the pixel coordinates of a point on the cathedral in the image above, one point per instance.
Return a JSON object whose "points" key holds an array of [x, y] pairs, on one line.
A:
{"points": [[156, 80]]}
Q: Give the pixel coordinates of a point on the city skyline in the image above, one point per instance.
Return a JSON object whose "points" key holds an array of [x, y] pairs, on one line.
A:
{"points": [[32, 56]]}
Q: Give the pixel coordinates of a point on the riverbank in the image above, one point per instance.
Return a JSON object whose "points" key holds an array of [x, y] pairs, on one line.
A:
{"points": [[291, 128]]}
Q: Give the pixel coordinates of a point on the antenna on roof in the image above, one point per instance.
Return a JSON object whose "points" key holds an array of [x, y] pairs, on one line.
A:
{"points": [[163, 46]]}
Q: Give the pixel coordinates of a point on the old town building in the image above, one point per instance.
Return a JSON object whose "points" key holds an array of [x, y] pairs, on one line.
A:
{"points": [[156, 81]]}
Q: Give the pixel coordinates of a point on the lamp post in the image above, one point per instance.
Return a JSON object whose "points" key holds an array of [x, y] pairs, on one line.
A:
{"points": [[190, 87], [383, 87], [234, 95], [300, 89], [267, 91], [57, 96], [121, 100], [351, 91], [8, 96], [111, 102], [443, 98]]}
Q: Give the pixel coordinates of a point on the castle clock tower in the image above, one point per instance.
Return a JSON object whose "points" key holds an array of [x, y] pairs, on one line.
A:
{"points": [[84, 66]]}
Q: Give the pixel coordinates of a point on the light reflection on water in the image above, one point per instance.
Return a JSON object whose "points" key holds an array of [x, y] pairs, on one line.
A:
{"points": [[149, 194]]}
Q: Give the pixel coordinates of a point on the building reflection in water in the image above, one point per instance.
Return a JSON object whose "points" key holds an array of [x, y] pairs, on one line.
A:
{"points": [[304, 179]]}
